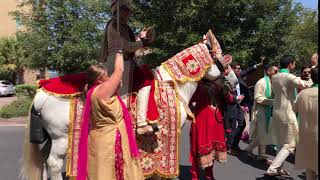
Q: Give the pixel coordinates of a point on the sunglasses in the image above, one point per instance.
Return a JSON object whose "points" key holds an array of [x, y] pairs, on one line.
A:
{"points": [[306, 72]]}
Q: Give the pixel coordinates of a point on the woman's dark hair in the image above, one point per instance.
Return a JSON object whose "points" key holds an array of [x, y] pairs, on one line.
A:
{"points": [[285, 61], [315, 75]]}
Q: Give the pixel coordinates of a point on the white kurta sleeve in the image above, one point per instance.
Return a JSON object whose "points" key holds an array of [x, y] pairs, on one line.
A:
{"points": [[259, 94], [297, 82]]}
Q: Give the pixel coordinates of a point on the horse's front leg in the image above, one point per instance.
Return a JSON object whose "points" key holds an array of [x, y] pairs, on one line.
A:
{"points": [[56, 157]]}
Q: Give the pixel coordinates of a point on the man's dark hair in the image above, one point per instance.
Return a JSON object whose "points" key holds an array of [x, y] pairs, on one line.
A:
{"points": [[234, 64], [268, 66], [304, 67], [285, 61], [314, 75]]}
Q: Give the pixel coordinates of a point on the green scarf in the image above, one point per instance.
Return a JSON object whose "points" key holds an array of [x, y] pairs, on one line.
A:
{"points": [[268, 108]]}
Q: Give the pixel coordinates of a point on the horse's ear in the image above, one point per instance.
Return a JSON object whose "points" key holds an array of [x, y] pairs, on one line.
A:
{"points": [[215, 46], [204, 38]]}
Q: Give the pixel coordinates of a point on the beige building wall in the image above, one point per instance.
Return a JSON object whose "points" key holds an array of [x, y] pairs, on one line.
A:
{"points": [[32, 76], [7, 22]]}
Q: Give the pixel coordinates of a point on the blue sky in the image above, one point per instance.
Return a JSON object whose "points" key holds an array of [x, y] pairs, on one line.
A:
{"points": [[313, 4]]}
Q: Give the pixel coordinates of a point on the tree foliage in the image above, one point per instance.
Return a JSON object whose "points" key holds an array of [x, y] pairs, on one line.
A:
{"points": [[246, 29], [302, 41], [63, 34], [66, 34], [13, 59]]}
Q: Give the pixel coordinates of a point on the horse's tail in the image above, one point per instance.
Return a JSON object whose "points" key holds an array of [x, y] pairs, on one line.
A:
{"points": [[33, 158]]}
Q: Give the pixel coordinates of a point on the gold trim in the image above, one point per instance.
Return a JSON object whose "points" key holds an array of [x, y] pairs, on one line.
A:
{"points": [[186, 78], [70, 135], [178, 130], [61, 95], [183, 80], [178, 133], [185, 105]]}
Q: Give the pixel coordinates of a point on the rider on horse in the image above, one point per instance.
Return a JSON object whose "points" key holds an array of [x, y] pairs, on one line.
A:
{"points": [[134, 78]]}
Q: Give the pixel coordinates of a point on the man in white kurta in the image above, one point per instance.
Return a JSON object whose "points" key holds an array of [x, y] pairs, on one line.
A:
{"points": [[307, 148], [261, 113], [284, 126]]}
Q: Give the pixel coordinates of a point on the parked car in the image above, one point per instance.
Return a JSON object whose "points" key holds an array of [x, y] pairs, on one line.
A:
{"points": [[6, 88]]}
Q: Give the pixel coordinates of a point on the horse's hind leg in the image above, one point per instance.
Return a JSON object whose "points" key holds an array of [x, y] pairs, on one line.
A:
{"points": [[56, 157]]}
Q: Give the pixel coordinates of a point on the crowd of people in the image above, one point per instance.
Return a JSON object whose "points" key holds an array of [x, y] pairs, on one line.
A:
{"points": [[284, 112]]}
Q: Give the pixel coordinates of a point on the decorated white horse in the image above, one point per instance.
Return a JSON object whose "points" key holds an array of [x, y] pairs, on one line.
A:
{"points": [[177, 80]]}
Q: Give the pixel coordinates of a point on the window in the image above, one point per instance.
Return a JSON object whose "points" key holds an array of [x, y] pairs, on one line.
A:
{"points": [[18, 22], [41, 74]]}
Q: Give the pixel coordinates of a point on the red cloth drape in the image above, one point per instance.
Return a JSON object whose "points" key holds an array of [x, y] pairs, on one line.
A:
{"points": [[142, 76], [207, 133], [65, 85]]}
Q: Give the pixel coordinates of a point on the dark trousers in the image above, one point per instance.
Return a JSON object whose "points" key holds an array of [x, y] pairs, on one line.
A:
{"points": [[233, 137]]}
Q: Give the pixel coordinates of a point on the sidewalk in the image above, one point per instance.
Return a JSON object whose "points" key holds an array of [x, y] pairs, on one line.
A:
{"points": [[16, 121]]}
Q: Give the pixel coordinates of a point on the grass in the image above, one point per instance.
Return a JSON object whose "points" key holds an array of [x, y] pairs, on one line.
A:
{"points": [[17, 108]]}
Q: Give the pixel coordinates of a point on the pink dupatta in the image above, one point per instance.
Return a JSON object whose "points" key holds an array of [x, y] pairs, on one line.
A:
{"points": [[127, 120], [83, 143]]}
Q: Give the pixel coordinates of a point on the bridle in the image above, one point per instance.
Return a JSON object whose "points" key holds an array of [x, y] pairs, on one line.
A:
{"points": [[217, 63]]}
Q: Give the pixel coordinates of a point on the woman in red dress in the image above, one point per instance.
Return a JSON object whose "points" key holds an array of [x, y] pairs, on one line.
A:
{"points": [[207, 138]]}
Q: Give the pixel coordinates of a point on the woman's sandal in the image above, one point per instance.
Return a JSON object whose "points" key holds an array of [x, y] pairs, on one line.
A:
{"points": [[284, 172]]}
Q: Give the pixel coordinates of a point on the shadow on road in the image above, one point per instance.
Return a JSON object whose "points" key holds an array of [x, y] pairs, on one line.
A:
{"points": [[185, 172], [252, 162], [274, 178], [260, 164]]}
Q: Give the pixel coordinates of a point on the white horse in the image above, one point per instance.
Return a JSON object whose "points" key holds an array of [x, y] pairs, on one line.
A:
{"points": [[55, 115]]}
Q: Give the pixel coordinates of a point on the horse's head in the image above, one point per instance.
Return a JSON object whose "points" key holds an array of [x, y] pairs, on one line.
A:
{"points": [[220, 72]]}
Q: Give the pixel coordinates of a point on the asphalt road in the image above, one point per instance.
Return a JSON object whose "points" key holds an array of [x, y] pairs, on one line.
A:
{"points": [[11, 146], [239, 168]]}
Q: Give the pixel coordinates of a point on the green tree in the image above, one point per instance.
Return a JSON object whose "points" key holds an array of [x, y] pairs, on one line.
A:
{"points": [[63, 34], [302, 41], [246, 29], [12, 59], [67, 34]]}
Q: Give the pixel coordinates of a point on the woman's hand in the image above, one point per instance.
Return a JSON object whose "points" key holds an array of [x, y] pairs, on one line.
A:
{"points": [[147, 36], [143, 33]]}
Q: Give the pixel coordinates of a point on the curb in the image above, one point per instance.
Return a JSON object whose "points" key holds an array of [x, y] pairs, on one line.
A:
{"points": [[16, 121]]}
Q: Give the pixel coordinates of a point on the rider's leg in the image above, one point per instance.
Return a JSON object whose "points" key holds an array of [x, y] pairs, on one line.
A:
{"points": [[142, 107]]}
